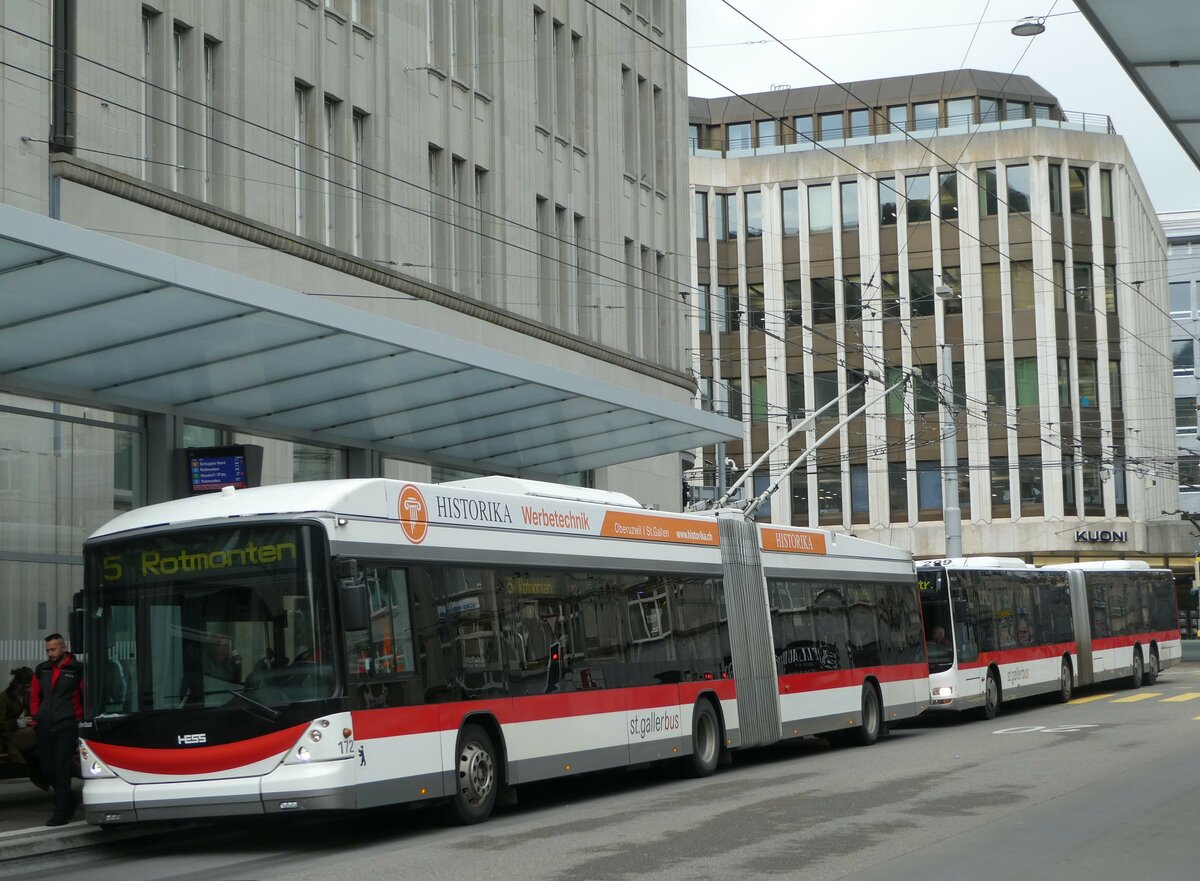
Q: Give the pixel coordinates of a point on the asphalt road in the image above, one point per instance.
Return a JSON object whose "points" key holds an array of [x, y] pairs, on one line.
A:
{"points": [[1103, 788]]}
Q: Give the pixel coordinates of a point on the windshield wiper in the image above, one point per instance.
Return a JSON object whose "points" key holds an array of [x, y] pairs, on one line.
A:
{"points": [[269, 712]]}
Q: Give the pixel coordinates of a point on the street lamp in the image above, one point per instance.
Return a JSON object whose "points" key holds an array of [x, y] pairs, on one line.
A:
{"points": [[1030, 26]]}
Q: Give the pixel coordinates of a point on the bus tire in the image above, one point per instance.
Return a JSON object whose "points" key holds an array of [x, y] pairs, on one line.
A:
{"points": [[475, 777], [992, 696], [1138, 675], [1066, 683], [1152, 667], [706, 740], [872, 717]]}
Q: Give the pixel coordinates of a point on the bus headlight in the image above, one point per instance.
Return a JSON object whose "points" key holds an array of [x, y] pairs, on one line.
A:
{"points": [[90, 766], [302, 754], [944, 691]]}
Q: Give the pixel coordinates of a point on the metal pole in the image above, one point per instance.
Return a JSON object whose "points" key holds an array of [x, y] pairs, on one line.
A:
{"points": [[951, 515]]}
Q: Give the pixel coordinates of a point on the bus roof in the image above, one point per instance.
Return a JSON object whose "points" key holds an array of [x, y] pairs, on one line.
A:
{"points": [[1112, 565], [975, 563]]}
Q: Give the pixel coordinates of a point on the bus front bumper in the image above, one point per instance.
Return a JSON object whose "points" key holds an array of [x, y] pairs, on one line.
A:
{"points": [[321, 786]]}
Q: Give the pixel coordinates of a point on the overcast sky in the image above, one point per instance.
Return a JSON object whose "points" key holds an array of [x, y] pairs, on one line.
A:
{"points": [[864, 39]]}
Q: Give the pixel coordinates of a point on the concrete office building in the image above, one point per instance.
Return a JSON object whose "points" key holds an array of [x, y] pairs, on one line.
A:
{"points": [[402, 238], [1182, 229], [827, 221]]}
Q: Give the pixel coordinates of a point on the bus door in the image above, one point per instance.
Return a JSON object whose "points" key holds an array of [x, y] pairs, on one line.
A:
{"points": [[966, 639]]}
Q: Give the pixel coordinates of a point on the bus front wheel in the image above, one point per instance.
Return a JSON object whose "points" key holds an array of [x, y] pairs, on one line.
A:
{"points": [[475, 780], [991, 696]]}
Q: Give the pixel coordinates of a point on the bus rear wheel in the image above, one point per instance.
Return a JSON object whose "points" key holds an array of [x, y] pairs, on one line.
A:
{"points": [[872, 717], [1066, 682], [706, 740], [1152, 668], [475, 782]]}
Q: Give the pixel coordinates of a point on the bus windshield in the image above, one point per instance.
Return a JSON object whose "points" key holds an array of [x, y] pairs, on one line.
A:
{"points": [[939, 629], [208, 617]]}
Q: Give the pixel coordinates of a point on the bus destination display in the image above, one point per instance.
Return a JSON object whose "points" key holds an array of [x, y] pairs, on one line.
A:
{"points": [[210, 470]]}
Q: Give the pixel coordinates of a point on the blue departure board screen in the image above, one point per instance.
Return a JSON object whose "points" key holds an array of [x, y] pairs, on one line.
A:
{"points": [[212, 469]]}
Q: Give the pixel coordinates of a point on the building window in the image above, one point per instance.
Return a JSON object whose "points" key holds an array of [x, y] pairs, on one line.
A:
{"points": [[1078, 178], [832, 126], [852, 297], [1181, 298], [1020, 275], [791, 210], [700, 208], [1088, 383], [1064, 383], [1114, 384], [948, 195], [1189, 474], [889, 285], [804, 135], [929, 487], [210, 119], [994, 372], [739, 136], [758, 399], [1026, 373], [920, 292], [860, 494], [1001, 497], [328, 149], [925, 116], [1183, 357], [849, 200], [825, 390], [860, 123], [756, 305], [887, 201], [988, 201], [1185, 415], [1055, 188], [1017, 178], [1068, 484], [795, 394], [1016, 110], [952, 278], [753, 214], [629, 118], [959, 112], [358, 211], [824, 309], [733, 398], [1060, 284], [898, 491], [1093, 488], [1084, 298], [793, 300], [1110, 289], [149, 27], [895, 398], [299, 144], [927, 388], [799, 482], [898, 118], [829, 494], [1106, 206], [820, 209], [180, 115], [989, 110], [1030, 471], [768, 133], [916, 197], [1043, 111], [727, 216], [731, 314]]}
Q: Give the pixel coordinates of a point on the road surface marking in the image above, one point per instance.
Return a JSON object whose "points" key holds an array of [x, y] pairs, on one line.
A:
{"points": [[1180, 698], [1134, 698], [1090, 698]]}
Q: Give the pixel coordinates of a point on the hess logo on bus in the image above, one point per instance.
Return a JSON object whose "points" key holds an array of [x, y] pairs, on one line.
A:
{"points": [[414, 514]]}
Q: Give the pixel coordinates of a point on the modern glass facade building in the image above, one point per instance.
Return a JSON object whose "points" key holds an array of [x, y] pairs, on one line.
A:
{"points": [[864, 230]]}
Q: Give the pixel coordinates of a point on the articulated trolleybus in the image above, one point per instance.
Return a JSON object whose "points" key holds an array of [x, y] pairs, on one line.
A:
{"points": [[1000, 629], [345, 644]]}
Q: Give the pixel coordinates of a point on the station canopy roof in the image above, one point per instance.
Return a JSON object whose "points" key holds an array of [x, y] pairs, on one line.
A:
{"points": [[1158, 44], [87, 316]]}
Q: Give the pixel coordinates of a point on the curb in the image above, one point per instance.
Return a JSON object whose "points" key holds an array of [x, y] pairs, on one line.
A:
{"points": [[37, 840]]}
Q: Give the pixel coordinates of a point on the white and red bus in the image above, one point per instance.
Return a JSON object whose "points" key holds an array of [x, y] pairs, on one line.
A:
{"points": [[344, 644], [1000, 629]]}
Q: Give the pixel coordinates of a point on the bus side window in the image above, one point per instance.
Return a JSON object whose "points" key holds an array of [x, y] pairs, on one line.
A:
{"points": [[966, 637]]}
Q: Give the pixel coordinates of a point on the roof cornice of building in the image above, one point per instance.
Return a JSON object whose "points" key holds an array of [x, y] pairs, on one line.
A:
{"points": [[867, 93]]}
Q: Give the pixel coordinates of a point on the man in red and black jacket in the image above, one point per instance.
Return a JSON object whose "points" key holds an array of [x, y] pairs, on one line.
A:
{"points": [[56, 707]]}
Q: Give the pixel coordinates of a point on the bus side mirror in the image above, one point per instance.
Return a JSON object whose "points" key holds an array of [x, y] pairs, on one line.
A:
{"points": [[353, 600]]}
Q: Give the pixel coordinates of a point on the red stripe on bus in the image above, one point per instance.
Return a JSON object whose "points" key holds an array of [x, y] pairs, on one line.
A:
{"points": [[1116, 642], [793, 683], [196, 759], [371, 724], [1026, 653]]}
